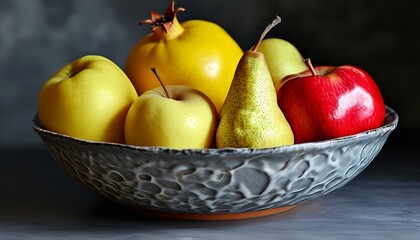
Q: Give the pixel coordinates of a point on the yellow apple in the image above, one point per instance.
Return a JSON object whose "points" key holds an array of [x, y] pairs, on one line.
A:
{"points": [[283, 59], [186, 118], [88, 99]]}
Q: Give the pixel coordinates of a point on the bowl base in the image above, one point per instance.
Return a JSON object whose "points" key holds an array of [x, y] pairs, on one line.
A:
{"points": [[212, 216]]}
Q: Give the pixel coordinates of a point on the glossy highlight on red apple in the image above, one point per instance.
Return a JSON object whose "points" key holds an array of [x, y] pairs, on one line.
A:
{"points": [[328, 102]]}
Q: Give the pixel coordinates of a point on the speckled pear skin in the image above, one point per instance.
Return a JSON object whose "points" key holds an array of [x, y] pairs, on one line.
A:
{"points": [[216, 180], [250, 116]]}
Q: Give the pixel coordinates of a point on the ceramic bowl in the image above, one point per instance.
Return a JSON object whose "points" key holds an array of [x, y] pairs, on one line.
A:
{"points": [[216, 184]]}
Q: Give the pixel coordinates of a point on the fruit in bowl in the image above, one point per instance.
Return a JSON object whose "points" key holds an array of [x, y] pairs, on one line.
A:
{"points": [[196, 53], [171, 116], [202, 182], [88, 98], [250, 116], [283, 59], [327, 102]]}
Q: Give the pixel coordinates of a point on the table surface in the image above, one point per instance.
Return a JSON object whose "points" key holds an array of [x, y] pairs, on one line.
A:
{"points": [[40, 201]]}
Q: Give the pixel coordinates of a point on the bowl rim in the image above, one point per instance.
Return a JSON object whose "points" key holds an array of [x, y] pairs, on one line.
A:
{"points": [[391, 116]]}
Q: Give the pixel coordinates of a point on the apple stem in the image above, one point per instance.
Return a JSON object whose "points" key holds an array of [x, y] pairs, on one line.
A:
{"points": [[275, 21], [310, 66], [160, 81]]}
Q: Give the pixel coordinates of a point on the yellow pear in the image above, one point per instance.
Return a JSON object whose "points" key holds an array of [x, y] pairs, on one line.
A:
{"points": [[250, 116]]}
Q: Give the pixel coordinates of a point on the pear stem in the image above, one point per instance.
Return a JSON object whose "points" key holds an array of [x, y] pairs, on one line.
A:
{"points": [[275, 21], [310, 66], [161, 83]]}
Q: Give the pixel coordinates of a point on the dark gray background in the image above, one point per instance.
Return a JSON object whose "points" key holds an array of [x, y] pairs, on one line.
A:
{"points": [[37, 37]]}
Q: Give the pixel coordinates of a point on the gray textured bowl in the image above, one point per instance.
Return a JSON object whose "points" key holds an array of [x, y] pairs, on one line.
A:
{"points": [[205, 183]]}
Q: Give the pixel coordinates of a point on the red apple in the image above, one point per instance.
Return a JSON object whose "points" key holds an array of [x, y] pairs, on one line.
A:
{"points": [[327, 102]]}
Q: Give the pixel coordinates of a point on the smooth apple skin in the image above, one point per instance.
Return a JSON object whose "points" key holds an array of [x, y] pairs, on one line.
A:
{"points": [[88, 99], [187, 120], [283, 59], [339, 101]]}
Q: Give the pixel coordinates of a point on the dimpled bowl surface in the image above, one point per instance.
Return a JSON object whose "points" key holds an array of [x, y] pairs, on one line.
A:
{"points": [[216, 180]]}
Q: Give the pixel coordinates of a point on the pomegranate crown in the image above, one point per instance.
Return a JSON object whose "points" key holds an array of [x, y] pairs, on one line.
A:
{"points": [[163, 20]]}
